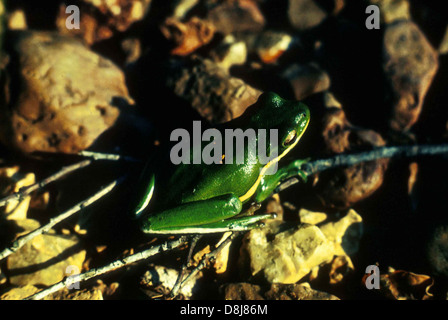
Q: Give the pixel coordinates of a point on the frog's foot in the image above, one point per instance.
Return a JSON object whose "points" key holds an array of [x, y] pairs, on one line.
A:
{"points": [[294, 169]]}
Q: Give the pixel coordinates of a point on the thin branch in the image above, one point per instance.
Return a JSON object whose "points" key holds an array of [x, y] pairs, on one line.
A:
{"points": [[106, 156], [21, 241], [350, 159], [193, 241], [108, 268], [209, 257], [25, 191]]}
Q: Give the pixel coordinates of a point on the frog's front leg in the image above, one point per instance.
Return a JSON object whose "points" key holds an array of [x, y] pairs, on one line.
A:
{"points": [[204, 216], [269, 182]]}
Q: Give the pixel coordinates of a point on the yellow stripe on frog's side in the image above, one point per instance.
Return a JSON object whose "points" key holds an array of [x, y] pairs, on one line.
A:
{"points": [[252, 190]]}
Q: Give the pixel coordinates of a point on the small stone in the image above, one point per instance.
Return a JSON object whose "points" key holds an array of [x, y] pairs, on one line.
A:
{"points": [[437, 251], [44, 260], [393, 10], [242, 291], [312, 217], [443, 47], [17, 20], [230, 16], [19, 293], [66, 102], [306, 79], [217, 96], [182, 7], [189, 36], [305, 14], [276, 291], [268, 45], [229, 52], [410, 64], [159, 279], [296, 292], [286, 256], [84, 294]]}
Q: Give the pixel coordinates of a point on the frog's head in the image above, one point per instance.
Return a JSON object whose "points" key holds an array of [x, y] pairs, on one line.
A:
{"points": [[290, 119]]}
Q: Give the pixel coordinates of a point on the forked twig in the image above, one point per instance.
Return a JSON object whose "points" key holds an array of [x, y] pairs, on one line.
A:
{"points": [[209, 257], [25, 191], [108, 268], [21, 241], [177, 286]]}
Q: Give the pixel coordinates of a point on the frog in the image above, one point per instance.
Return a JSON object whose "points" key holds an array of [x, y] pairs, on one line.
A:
{"points": [[211, 198]]}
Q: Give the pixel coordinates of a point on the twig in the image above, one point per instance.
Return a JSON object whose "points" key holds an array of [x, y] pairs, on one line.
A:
{"points": [[108, 268], [350, 159], [106, 156], [209, 257], [21, 241], [177, 286], [25, 191]]}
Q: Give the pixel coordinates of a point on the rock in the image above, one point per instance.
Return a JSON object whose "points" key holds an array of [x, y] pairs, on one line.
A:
{"points": [[84, 294], [44, 260], [66, 102], [296, 292], [19, 293], [306, 79], [340, 188], [284, 252], [405, 285], [231, 16], [311, 217], [217, 96], [410, 64], [242, 291], [344, 233], [229, 52], [277, 291], [17, 20], [392, 10], [268, 45], [305, 14], [443, 47], [182, 7], [188, 36], [160, 280], [437, 251], [285, 256]]}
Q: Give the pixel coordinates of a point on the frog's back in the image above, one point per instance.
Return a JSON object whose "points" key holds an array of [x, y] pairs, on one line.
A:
{"points": [[194, 182]]}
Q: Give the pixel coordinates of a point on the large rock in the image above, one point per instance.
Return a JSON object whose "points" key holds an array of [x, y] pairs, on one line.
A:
{"points": [[63, 96], [410, 64], [45, 260]]}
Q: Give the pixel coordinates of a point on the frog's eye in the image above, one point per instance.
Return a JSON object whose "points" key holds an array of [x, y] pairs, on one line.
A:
{"points": [[290, 138]]}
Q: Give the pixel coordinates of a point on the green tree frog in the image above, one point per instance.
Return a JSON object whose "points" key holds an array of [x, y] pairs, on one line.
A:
{"points": [[209, 198]]}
